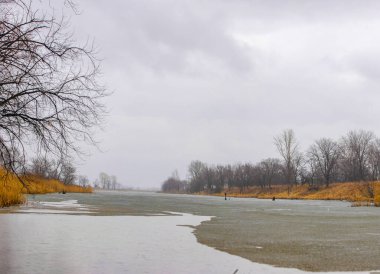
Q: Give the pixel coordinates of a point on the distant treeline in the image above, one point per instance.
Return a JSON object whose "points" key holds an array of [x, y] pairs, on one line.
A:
{"points": [[354, 157], [106, 181]]}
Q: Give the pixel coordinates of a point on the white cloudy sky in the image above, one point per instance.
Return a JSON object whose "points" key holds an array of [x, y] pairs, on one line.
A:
{"points": [[216, 80]]}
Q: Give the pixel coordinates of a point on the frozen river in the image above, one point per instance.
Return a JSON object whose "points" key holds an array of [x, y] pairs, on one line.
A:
{"points": [[133, 233]]}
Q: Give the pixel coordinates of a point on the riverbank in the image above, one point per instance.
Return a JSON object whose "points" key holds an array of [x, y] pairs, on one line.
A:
{"points": [[359, 193], [12, 190]]}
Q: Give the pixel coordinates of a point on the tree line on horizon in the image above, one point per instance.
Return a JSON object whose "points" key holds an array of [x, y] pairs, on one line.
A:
{"points": [[354, 157], [108, 182]]}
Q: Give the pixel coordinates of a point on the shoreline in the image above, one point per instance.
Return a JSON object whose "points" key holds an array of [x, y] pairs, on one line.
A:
{"points": [[358, 193]]}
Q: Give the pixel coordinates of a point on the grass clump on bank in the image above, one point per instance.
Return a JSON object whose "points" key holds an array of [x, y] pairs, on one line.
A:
{"points": [[12, 190], [359, 193]]}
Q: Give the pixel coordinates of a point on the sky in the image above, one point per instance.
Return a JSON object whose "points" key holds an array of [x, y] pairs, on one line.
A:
{"points": [[216, 80]]}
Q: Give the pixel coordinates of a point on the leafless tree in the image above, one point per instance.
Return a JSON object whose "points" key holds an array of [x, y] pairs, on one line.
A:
{"points": [[49, 94], [83, 181], [174, 184], [175, 175], [210, 179], [45, 167], [113, 182], [310, 173], [374, 160], [229, 176], [67, 173], [96, 183], [40, 166], [104, 180], [287, 146], [244, 176], [269, 169], [324, 156], [298, 165], [196, 176], [355, 147], [195, 169], [221, 177]]}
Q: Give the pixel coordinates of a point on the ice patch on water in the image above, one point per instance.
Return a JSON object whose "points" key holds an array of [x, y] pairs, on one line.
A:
{"points": [[61, 207], [63, 204], [128, 244], [115, 244]]}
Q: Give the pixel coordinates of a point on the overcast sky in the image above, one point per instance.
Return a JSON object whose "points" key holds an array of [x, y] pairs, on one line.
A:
{"points": [[216, 80]]}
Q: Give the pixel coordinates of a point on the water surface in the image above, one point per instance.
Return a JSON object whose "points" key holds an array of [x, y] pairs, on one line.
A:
{"points": [[138, 233]]}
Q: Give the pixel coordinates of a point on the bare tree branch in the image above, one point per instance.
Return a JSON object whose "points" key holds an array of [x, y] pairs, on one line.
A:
{"points": [[49, 93]]}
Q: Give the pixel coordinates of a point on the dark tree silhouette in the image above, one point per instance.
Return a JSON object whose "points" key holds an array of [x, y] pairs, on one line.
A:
{"points": [[49, 94]]}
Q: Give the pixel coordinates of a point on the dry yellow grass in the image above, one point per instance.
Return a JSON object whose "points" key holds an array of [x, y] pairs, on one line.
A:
{"points": [[360, 193], [377, 194], [11, 189], [37, 185]]}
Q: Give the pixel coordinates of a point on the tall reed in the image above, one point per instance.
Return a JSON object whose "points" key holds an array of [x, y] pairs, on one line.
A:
{"points": [[12, 190]]}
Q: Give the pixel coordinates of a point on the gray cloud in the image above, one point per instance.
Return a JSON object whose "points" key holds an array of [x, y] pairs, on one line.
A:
{"points": [[216, 80], [164, 35]]}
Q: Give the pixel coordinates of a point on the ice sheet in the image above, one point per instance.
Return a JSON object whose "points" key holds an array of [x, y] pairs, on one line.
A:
{"points": [[51, 243]]}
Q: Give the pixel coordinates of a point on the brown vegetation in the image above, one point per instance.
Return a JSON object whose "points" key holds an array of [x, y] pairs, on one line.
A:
{"points": [[12, 190], [359, 193]]}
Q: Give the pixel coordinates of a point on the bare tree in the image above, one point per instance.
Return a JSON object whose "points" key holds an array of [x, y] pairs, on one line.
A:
{"points": [[41, 166], [287, 146], [196, 177], [324, 155], [222, 177], [374, 160], [310, 173], [67, 174], [174, 184], [83, 181], [175, 174], [104, 180], [96, 183], [355, 147], [113, 182], [49, 94], [229, 176], [209, 177], [269, 169], [244, 176]]}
